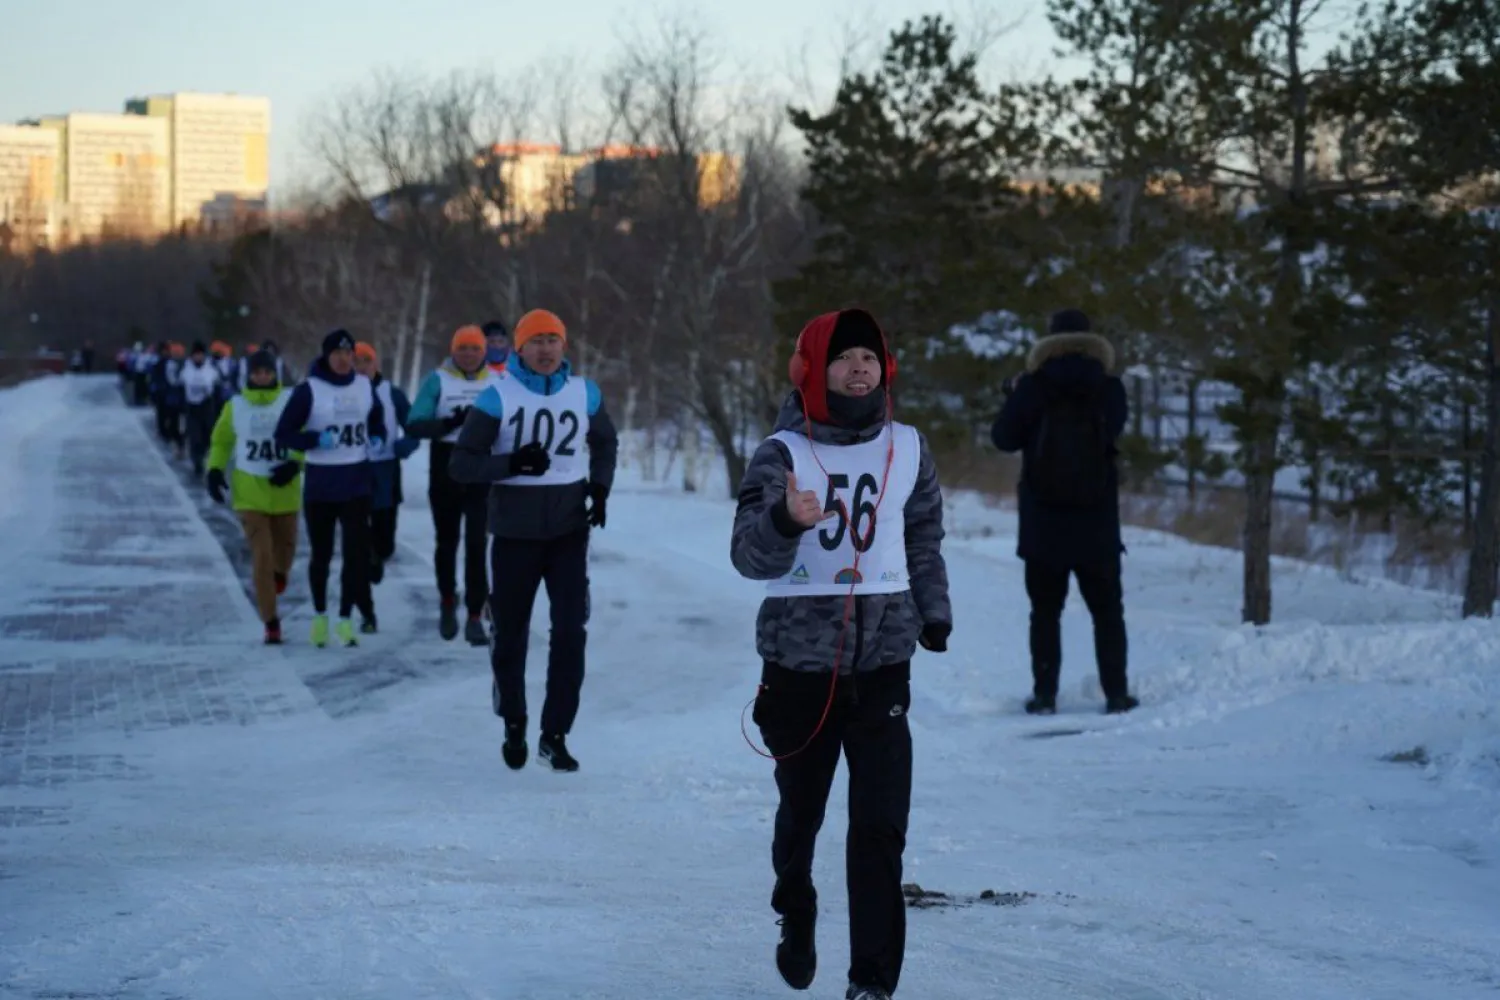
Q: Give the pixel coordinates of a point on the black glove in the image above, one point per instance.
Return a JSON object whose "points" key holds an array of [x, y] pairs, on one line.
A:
{"points": [[455, 420], [217, 485], [934, 637], [284, 473], [598, 494], [530, 460]]}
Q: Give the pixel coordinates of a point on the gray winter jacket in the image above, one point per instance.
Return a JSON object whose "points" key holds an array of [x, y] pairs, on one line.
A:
{"points": [[802, 633], [533, 512]]}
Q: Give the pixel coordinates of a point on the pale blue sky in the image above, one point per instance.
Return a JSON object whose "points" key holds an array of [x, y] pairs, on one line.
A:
{"points": [[90, 55]]}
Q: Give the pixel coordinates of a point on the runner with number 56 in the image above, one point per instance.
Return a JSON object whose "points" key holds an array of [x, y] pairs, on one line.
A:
{"points": [[541, 436]]}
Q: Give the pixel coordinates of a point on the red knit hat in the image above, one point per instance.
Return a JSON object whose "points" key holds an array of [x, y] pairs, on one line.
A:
{"points": [[843, 330]]}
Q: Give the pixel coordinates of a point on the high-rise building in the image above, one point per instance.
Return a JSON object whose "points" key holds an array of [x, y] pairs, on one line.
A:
{"points": [[114, 175], [30, 203], [220, 154]]}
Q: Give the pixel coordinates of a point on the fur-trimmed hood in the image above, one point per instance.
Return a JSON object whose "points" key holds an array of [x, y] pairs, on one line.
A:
{"points": [[1089, 345]]}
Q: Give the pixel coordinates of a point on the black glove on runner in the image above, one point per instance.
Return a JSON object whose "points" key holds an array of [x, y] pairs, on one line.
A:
{"points": [[530, 460], [598, 494], [217, 485], [455, 420], [934, 637], [284, 473]]}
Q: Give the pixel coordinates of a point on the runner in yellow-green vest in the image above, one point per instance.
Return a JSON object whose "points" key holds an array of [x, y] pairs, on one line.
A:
{"points": [[266, 484]]}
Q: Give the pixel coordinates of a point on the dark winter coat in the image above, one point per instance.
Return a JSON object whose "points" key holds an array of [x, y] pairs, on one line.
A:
{"points": [[533, 512], [802, 633], [1052, 536], [326, 483]]}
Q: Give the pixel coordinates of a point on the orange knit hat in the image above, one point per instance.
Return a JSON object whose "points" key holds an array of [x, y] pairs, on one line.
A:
{"points": [[468, 336], [364, 350], [535, 323]]}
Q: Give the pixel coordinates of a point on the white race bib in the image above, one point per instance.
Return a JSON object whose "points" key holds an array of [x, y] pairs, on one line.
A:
{"points": [[387, 448], [256, 452], [559, 422], [856, 475], [456, 391], [345, 410], [199, 382]]}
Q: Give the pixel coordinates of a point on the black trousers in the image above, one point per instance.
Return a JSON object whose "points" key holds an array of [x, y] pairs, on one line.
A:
{"points": [[383, 532], [868, 723], [1100, 585], [460, 511], [169, 423], [353, 516], [563, 565], [199, 419]]}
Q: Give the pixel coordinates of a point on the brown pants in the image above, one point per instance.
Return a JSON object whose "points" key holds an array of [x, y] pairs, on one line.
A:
{"points": [[273, 543]]}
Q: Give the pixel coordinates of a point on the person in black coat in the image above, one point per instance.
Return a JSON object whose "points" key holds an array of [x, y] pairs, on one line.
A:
{"points": [[1062, 535]]}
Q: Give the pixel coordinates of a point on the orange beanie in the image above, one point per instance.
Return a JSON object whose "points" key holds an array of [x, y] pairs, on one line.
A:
{"points": [[535, 323], [468, 336], [364, 350]]}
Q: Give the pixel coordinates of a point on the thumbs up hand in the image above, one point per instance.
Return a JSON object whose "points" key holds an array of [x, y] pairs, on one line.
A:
{"points": [[803, 505]]}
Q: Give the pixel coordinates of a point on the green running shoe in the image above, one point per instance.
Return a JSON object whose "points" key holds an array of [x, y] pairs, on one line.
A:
{"points": [[320, 631]]}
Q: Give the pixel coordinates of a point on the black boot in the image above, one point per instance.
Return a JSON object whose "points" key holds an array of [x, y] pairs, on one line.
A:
{"points": [[1041, 704], [553, 748], [514, 750], [1118, 704], [796, 952], [1043, 690], [448, 618], [475, 632]]}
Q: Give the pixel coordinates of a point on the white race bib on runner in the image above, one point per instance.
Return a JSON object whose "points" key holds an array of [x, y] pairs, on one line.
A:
{"points": [[559, 422], [854, 477]]}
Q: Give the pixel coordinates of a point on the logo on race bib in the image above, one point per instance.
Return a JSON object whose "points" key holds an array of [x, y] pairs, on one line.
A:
{"points": [[891, 576], [799, 575], [850, 575]]}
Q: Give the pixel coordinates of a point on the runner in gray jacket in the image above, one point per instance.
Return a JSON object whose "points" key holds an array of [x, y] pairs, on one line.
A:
{"points": [[841, 514]]}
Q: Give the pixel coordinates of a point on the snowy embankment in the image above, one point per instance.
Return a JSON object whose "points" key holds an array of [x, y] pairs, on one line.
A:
{"points": [[1307, 810]]}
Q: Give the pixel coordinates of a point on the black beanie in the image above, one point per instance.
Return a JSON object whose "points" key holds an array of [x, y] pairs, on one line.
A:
{"points": [[262, 360], [1069, 321], [198, 348], [495, 328], [855, 328], [338, 340]]}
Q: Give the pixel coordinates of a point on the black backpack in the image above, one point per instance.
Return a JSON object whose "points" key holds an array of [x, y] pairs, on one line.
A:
{"points": [[1071, 463]]}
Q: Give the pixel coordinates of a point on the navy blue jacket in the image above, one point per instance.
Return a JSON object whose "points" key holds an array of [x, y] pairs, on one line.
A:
{"points": [[326, 483], [1056, 537]]}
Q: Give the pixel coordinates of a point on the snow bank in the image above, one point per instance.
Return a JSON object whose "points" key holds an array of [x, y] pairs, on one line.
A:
{"points": [[25, 410]]}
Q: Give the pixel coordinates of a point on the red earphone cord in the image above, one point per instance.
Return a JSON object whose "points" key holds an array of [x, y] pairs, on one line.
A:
{"points": [[838, 653]]}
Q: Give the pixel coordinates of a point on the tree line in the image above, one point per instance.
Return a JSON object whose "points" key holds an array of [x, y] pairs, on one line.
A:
{"points": [[1283, 196]]}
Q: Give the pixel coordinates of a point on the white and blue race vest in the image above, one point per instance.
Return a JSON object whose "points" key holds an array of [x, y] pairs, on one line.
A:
{"points": [[559, 422], [256, 452], [455, 391], [386, 450], [345, 410], [855, 473], [198, 382]]}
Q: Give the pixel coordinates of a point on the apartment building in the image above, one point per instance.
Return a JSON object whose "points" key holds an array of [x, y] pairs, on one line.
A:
{"points": [[31, 206], [220, 154], [114, 175]]}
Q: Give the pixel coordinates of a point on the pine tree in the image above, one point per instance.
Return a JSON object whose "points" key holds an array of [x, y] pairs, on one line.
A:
{"points": [[909, 179]]}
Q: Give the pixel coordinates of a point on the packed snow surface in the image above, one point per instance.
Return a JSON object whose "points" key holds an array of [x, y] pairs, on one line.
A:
{"points": [[1309, 810]]}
